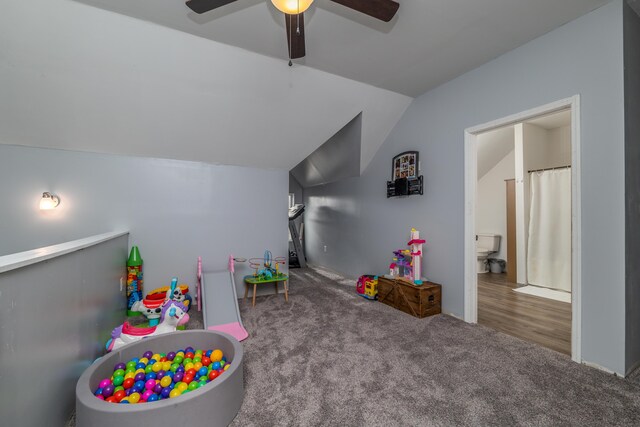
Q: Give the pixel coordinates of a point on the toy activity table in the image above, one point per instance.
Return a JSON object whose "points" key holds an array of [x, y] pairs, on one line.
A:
{"points": [[256, 280]]}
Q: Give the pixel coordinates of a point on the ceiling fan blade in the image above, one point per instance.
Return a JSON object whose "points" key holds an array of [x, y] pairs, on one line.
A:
{"points": [[383, 10], [295, 35], [202, 6]]}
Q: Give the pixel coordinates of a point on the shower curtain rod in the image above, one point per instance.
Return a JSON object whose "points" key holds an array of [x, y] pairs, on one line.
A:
{"points": [[550, 169]]}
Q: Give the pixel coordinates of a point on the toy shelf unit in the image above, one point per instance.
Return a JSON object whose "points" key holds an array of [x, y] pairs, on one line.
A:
{"points": [[405, 178]]}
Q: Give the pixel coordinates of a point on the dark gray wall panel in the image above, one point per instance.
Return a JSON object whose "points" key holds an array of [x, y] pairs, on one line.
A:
{"points": [[632, 182], [55, 318]]}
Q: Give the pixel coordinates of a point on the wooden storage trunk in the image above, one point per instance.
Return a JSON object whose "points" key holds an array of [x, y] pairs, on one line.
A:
{"points": [[419, 301]]}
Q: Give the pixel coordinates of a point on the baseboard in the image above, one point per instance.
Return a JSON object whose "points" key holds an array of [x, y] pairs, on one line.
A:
{"points": [[602, 368]]}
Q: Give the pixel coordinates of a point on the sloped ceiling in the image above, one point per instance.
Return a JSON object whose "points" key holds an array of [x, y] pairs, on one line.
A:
{"points": [[336, 159], [493, 146], [427, 43], [77, 77]]}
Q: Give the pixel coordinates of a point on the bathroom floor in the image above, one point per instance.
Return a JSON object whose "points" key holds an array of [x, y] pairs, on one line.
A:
{"points": [[539, 320]]}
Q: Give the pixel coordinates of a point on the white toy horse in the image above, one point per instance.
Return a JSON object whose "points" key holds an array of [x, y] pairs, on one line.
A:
{"points": [[173, 315]]}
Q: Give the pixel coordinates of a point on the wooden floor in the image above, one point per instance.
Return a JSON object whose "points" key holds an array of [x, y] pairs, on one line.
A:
{"points": [[539, 320]]}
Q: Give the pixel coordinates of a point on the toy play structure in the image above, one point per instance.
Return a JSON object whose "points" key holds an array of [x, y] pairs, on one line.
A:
{"points": [[267, 267], [416, 255], [218, 300], [172, 314], [407, 263], [151, 306]]}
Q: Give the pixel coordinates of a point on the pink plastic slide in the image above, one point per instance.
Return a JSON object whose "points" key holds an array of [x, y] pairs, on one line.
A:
{"points": [[218, 300]]}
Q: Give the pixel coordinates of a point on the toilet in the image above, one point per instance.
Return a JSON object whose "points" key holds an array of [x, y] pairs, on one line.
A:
{"points": [[486, 244]]}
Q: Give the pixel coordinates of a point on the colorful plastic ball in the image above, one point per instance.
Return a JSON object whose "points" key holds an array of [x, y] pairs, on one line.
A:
{"points": [[152, 398], [165, 381], [169, 374], [208, 353], [140, 366], [222, 363], [118, 373], [193, 385], [216, 365], [156, 357], [203, 371], [140, 377], [160, 375], [150, 384], [197, 359], [124, 401], [216, 355], [118, 380], [187, 378], [165, 392], [190, 371], [111, 399], [206, 361], [108, 390], [171, 355], [119, 395], [144, 360], [148, 354], [177, 377], [99, 396], [117, 389], [182, 386], [180, 369], [189, 350], [105, 382], [197, 366], [150, 376], [139, 385], [135, 360], [120, 365], [166, 365], [129, 374], [146, 394], [149, 368], [178, 359], [227, 366], [174, 393], [128, 382], [213, 375], [134, 397]]}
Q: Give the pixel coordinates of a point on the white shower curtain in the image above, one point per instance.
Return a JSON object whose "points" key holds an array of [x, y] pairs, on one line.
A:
{"points": [[549, 249]]}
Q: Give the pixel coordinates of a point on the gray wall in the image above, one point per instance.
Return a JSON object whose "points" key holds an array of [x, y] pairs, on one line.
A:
{"points": [[361, 227], [56, 317], [632, 178], [175, 210], [336, 159]]}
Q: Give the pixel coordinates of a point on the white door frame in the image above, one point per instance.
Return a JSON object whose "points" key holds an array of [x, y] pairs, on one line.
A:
{"points": [[470, 179]]}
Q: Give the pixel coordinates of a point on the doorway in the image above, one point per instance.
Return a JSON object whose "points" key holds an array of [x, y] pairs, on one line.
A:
{"points": [[537, 191]]}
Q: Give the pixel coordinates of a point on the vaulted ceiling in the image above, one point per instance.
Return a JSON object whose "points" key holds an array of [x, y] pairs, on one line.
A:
{"points": [[217, 88], [427, 43]]}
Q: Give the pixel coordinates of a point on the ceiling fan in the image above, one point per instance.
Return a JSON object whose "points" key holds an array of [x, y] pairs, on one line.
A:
{"points": [[293, 11]]}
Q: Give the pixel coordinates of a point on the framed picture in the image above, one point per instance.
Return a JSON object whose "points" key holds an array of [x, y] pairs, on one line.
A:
{"points": [[405, 165]]}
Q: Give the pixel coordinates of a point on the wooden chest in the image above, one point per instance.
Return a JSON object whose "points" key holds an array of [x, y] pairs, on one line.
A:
{"points": [[419, 301]]}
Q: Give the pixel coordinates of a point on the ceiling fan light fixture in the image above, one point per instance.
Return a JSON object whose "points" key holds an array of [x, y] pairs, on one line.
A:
{"points": [[292, 7]]}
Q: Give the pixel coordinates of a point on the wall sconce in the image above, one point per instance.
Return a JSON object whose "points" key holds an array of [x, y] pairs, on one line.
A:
{"points": [[49, 201]]}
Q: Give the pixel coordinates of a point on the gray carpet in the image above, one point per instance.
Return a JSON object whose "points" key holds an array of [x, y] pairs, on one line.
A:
{"points": [[330, 357]]}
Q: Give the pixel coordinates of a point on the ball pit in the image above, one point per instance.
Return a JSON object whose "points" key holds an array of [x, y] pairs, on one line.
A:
{"points": [[197, 382], [139, 387]]}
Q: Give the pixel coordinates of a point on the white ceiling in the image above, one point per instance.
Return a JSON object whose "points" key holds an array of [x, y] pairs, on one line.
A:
{"points": [[78, 77], [493, 146], [427, 43]]}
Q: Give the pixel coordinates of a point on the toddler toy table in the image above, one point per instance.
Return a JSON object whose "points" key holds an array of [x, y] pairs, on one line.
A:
{"points": [[257, 280]]}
